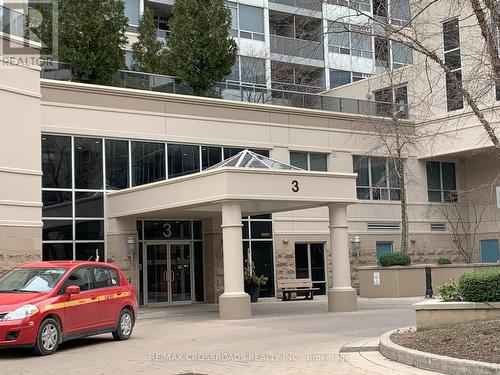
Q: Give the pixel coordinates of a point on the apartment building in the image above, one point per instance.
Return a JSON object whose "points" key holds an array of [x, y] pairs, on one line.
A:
{"points": [[181, 190], [300, 45]]}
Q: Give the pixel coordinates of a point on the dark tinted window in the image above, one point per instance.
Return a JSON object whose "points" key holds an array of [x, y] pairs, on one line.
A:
{"points": [[210, 156], [183, 160], [88, 251], [89, 204], [299, 159], [89, 229], [117, 168], [81, 277], [88, 163], [57, 204], [57, 230], [318, 162], [261, 229], [301, 261], [56, 161], [57, 251], [451, 35], [454, 98], [148, 162]]}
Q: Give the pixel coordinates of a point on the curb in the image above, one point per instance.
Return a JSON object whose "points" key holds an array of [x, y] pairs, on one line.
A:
{"points": [[434, 362]]}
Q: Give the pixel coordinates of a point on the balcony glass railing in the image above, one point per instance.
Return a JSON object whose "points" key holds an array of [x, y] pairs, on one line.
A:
{"points": [[11, 22], [304, 4], [239, 92], [297, 47]]}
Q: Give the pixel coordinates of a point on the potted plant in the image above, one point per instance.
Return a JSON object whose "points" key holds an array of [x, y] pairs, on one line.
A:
{"points": [[253, 282]]}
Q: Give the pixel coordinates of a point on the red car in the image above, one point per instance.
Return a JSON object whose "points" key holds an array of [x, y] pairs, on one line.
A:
{"points": [[43, 304]]}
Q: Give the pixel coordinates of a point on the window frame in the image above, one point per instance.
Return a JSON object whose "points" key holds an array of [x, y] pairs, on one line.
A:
{"points": [[442, 191], [370, 186], [451, 101], [309, 159]]}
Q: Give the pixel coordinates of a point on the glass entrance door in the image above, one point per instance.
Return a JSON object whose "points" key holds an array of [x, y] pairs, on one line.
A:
{"points": [[158, 273], [168, 272], [180, 272]]}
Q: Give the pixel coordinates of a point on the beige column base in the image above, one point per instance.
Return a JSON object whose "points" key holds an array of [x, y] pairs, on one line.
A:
{"points": [[342, 300], [234, 306]]}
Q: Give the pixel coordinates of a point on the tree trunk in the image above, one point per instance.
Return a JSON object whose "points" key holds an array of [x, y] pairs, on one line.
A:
{"points": [[404, 206]]}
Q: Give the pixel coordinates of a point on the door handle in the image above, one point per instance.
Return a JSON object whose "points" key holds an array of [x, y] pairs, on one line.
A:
{"points": [[165, 277], [172, 276]]}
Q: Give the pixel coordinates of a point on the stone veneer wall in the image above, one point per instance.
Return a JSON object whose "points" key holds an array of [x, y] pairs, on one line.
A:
{"points": [[19, 245]]}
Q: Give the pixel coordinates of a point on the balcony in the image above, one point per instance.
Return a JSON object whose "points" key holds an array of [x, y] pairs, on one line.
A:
{"points": [[238, 92], [308, 49], [302, 4], [11, 22]]}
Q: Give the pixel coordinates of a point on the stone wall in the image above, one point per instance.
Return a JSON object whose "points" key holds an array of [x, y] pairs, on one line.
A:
{"points": [[19, 245]]}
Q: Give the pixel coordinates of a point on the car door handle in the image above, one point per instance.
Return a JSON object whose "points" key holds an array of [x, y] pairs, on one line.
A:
{"points": [[93, 296]]}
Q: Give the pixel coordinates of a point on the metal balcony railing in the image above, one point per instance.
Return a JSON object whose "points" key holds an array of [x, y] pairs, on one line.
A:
{"points": [[11, 22], [240, 92]]}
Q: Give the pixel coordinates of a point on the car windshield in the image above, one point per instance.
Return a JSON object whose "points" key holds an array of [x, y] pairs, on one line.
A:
{"points": [[30, 280]]}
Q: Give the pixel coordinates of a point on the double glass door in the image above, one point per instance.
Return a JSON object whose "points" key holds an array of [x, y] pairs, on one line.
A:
{"points": [[168, 272]]}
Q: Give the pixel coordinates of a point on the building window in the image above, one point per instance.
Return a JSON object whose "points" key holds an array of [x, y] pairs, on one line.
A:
{"points": [[183, 160], [246, 21], [381, 52], [350, 39], [132, 11], [231, 151], [88, 163], [400, 12], [392, 101], [380, 8], [210, 156], [248, 71], [377, 178], [451, 40], [117, 164], [258, 249], [339, 77], [310, 264], [56, 162], [441, 181], [309, 161], [401, 55], [383, 247], [148, 162]]}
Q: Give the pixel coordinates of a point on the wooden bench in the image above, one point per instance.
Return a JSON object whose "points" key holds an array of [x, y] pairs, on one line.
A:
{"points": [[289, 286]]}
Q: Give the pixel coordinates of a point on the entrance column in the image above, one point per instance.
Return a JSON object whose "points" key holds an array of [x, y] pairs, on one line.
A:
{"points": [[342, 297], [234, 303]]}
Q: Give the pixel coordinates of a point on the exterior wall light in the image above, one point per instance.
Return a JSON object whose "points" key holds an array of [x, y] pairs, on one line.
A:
{"points": [[284, 240], [130, 246], [413, 240], [355, 245]]}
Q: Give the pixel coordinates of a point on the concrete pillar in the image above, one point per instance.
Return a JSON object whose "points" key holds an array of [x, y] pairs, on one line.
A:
{"points": [[234, 303], [342, 297]]}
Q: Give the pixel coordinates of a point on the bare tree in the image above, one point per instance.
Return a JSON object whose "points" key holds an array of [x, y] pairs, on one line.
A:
{"points": [[464, 217]]}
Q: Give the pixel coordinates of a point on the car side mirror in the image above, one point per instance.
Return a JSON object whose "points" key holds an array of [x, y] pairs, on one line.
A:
{"points": [[72, 289]]}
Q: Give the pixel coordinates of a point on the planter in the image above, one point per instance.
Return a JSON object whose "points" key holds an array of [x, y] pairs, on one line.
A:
{"points": [[409, 281], [253, 290], [432, 314]]}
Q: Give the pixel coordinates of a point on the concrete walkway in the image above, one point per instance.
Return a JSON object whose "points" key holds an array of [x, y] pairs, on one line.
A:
{"points": [[296, 337]]}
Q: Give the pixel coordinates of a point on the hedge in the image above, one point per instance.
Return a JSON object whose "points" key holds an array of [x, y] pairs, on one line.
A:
{"points": [[482, 286], [394, 259], [443, 261]]}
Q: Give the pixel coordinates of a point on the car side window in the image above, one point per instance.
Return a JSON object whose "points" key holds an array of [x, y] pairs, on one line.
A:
{"points": [[102, 277], [81, 277], [115, 277]]}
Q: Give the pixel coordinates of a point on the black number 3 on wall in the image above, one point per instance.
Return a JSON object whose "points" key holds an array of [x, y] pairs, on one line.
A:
{"points": [[295, 186]]}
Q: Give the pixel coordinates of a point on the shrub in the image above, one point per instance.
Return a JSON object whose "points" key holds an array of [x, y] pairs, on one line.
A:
{"points": [[483, 286], [394, 259], [443, 261], [449, 291]]}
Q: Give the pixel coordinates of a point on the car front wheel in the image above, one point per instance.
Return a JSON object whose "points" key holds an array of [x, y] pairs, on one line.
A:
{"points": [[48, 338], [125, 325]]}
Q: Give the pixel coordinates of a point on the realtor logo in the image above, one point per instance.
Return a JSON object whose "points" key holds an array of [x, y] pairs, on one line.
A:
{"points": [[27, 25]]}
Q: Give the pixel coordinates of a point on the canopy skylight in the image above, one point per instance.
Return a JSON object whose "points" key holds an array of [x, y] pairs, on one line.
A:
{"points": [[249, 159]]}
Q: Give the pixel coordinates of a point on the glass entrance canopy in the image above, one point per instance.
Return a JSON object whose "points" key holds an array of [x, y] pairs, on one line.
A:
{"points": [[249, 159]]}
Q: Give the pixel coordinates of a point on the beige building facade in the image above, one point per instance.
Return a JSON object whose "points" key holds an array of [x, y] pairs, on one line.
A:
{"points": [[144, 179]]}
